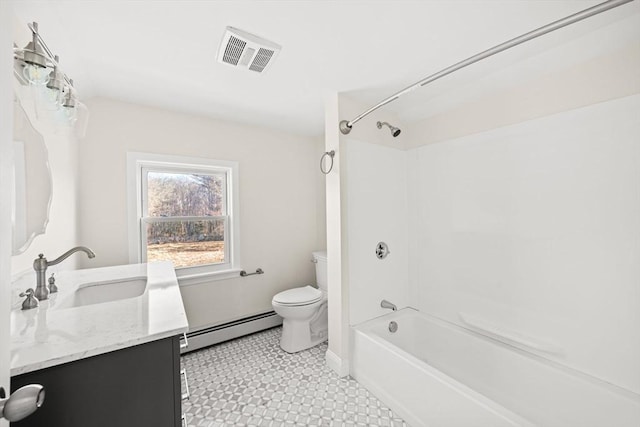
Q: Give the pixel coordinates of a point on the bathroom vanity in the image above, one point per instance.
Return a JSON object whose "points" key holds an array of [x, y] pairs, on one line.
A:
{"points": [[105, 348]]}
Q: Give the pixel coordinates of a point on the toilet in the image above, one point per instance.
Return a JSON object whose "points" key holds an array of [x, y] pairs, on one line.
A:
{"points": [[304, 311]]}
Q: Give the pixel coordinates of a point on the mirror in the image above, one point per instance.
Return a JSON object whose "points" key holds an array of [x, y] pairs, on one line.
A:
{"points": [[32, 187]]}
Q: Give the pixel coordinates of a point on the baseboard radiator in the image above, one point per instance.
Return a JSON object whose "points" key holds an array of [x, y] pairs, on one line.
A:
{"points": [[206, 337]]}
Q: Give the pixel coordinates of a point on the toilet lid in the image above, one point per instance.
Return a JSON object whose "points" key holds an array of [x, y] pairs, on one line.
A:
{"points": [[298, 296]]}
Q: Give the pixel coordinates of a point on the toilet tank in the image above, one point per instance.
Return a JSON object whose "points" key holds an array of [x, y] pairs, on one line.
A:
{"points": [[320, 259]]}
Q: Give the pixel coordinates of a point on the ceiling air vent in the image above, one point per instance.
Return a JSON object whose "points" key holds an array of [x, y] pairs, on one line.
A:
{"points": [[244, 50]]}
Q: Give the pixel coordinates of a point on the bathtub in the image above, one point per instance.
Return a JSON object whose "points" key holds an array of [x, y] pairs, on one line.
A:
{"points": [[434, 373]]}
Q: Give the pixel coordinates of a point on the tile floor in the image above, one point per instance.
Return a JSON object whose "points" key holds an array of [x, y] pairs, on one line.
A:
{"points": [[250, 381]]}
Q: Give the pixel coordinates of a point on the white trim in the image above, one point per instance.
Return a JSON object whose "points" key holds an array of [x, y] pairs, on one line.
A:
{"points": [[152, 219], [19, 197], [210, 335], [134, 193], [136, 162], [198, 279], [338, 365], [6, 159]]}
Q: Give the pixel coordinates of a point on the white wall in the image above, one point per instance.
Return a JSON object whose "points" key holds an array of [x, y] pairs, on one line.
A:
{"points": [[6, 149], [280, 189], [61, 143], [376, 182], [595, 66], [339, 197], [535, 228], [338, 292]]}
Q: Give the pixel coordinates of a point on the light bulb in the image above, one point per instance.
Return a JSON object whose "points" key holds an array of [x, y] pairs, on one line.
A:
{"points": [[55, 96], [71, 114], [51, 98], [53, 92], [35, 75]]}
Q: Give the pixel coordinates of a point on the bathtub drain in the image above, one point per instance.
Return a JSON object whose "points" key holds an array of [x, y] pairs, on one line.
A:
{"points": [[393, 326]]}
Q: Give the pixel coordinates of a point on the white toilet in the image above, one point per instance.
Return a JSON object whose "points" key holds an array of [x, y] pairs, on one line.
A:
{"points": [[304, 311]]}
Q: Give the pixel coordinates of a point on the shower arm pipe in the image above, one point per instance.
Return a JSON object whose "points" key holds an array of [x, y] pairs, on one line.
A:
{"points": [[345, 126]]}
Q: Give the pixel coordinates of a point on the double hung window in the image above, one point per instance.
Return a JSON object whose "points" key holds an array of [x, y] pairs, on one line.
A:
{"points": [[185, 213]]}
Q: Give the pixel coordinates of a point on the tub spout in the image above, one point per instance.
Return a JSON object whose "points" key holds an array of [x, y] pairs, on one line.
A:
{"points": [[386, 304]]}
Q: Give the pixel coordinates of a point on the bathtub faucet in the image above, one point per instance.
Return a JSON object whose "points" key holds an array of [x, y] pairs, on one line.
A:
{"points": [[386, 304]]}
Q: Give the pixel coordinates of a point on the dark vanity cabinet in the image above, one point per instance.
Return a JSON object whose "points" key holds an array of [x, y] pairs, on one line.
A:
{"points": [[136, 386]]}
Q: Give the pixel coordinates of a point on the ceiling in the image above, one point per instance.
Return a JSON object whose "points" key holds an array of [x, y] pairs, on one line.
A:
{"points": [[163, 53]]}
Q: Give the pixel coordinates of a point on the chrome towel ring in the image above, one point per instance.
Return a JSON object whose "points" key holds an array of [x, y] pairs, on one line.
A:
{"points": [[331, 154]]}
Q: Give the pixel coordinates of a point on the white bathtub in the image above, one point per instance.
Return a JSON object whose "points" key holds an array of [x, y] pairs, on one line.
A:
{"points": [[434, 373]]}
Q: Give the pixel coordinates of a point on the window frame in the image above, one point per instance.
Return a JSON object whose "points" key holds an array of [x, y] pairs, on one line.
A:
{"points": [[140, 163]]}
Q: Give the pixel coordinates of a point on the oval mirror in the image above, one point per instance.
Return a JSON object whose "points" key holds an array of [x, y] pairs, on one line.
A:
{"points": [[32, 187]]}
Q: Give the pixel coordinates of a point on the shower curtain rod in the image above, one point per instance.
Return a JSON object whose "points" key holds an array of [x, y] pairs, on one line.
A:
{"points": [[345, 126]]}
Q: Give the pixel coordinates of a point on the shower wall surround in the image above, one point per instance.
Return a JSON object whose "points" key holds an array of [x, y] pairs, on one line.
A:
{"points": [[535, 228], [531, 229], [377, 211]]}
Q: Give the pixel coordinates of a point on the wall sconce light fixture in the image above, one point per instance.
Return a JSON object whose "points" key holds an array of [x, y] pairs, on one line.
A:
{"points": [[41, 68]]}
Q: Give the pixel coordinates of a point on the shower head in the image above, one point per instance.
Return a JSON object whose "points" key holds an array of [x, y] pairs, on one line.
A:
{"points": [[394, 130]]}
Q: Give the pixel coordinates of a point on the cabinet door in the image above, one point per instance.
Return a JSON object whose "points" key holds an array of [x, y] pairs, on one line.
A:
{"points": [[134, 387]]}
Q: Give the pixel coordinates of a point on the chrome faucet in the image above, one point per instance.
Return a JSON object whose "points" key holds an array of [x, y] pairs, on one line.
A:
{"points": [[41, 264], [386, 304]]}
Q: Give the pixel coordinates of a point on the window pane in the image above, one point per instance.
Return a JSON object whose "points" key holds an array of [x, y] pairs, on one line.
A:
{"points": [[186, 243], [185, 194]]}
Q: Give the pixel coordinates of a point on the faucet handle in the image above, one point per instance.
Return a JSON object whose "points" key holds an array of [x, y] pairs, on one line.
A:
{"points": [[31, 301], [26, 293], [52, 284]]}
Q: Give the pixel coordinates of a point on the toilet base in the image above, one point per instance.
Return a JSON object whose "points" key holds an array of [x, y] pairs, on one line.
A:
{"points": [[303, 326], [296, 336]]}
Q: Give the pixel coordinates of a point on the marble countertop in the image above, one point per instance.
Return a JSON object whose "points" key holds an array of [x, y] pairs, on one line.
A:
{"points": [[52, 334]]}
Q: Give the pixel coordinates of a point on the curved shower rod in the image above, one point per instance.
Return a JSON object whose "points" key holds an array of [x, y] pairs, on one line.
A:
{"points": [[346, 125]]}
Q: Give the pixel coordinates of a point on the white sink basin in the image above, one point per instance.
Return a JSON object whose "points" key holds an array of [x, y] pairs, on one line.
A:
{"points": [[100, 292]]}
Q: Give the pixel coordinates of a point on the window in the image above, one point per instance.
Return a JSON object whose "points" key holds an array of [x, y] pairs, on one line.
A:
{"points": [[185, 212]]}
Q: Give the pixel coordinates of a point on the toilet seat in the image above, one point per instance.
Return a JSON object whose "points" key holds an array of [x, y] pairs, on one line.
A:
{"points": [[298, 296]]}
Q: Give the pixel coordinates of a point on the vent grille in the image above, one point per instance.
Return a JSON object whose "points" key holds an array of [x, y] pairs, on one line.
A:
{"points": [[244, 50], [234, 49], [261, 60]]}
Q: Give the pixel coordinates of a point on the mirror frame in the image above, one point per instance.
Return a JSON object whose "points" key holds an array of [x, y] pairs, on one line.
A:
{"points": [[22, 117]]}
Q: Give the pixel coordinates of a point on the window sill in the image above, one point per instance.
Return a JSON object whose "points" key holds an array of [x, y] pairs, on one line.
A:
{"points": [[197, 279]]}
